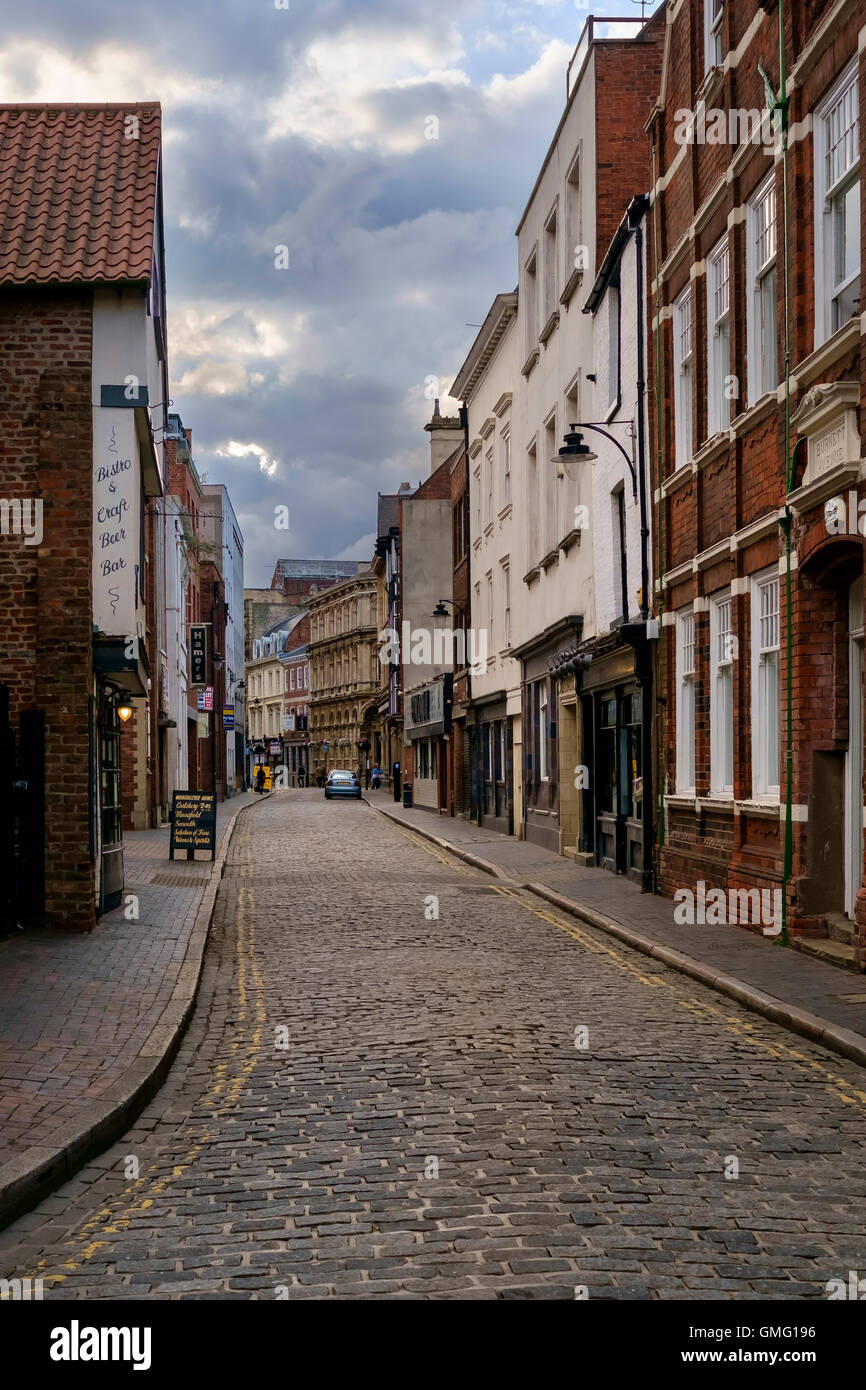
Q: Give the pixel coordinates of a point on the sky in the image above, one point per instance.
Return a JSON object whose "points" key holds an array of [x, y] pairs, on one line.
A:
{"points": [[343, 180]]}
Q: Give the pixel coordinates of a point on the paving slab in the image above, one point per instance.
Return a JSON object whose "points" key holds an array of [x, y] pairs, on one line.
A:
{"points": [[89, 1022]]}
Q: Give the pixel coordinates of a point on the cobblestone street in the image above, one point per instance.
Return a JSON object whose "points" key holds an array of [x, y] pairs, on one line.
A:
{"points": [[373, 1101]]}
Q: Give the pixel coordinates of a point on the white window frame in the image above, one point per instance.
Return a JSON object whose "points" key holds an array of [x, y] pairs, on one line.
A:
{"points": [[476, 478], [722, 653], [490, 619], [543, 716], [506, 465], [684, 376], [761, 259], [718, 337], [488, 465], [614, 348], [685, 628], [714, 14], [573, 216], [551, 263], [530, 299], [506, 603], [829, 184], [766, 627]]}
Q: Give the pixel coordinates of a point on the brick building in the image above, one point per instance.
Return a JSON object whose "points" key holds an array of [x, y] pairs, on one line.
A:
{"points": [[726, 239], [295, 661], [84, 386]]}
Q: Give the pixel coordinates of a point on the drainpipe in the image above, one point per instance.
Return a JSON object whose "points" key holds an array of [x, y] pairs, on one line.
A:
{"points": [[660, 512], [636, 211], [780, 105]]}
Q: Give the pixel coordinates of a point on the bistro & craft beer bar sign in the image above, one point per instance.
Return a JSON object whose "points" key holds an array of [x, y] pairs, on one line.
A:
{"points": [[193, 823]]}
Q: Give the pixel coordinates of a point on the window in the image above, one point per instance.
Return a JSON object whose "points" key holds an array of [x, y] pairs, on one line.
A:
{"points": [[424, 758], [506, 467], [550, 252], [550, 490], [532, 506], [530, 299], [620, 570], [685, 702], [613, 349], [292, 678], [573, 231], [488, 465], [761, 303], [718, 339], [837, 204], [683, 362], [490, 624], [765, 685], [722, 650], [506, 601], [542, 734], [477, 480], [713, 15]]}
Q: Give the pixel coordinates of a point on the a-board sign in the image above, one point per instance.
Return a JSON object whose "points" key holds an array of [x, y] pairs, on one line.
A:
{"points": [[193, 823]]}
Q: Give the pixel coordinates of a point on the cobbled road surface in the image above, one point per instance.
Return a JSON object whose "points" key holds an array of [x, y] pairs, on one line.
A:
{"points": [[374, 1100]]}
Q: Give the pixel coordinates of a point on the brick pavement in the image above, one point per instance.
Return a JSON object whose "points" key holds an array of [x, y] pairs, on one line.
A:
{"points": [[799, 980], [374, 1101], [77, 1008]]}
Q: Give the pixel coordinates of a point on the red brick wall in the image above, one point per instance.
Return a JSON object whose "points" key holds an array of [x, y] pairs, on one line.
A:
{"points": [[46, 592], [627, 84], [744, 479]]}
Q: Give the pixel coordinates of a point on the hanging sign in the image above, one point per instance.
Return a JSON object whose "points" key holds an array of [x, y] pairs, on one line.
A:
{"points": [[198, 654], [205, 698], [228, 717]]}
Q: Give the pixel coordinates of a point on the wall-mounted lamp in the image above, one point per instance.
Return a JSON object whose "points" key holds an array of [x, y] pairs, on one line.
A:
{"points": [[124, 712]]}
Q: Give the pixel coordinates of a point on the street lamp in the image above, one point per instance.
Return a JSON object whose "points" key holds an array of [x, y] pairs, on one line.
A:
{"points": [[574, 451], [124, 712], [440, 612]]}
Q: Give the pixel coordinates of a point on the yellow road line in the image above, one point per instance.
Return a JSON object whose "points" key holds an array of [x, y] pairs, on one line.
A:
{"points": [[702, 1009]]}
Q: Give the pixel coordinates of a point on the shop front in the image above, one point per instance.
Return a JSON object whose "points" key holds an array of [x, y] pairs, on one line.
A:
{"points": [[427, 727], [492, 756], [612, 722]]}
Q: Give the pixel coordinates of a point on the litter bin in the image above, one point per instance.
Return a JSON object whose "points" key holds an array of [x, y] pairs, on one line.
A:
{"points": [[407, 795]]}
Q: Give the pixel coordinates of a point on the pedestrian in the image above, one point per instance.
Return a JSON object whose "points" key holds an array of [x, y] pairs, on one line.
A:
{"points": [[260, 778], [376, 780], [302, 777]]}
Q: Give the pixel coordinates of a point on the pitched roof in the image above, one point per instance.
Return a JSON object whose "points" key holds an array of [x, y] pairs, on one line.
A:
{"points": [[78, 192]]}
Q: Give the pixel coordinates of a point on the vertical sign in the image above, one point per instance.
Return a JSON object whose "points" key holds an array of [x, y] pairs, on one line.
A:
{"points": [[116, 522], [198, 654]]}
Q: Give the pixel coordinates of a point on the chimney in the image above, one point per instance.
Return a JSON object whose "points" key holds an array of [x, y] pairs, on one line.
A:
{"points": [[446, 434], [188, 434]]}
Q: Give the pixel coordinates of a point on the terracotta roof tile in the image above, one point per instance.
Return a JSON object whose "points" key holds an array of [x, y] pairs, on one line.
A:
{"points": [[77, 196]]}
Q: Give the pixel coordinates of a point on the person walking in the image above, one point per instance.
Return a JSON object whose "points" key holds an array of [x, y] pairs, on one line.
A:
{"points": [[376, 779], [260, 778], [302, 777]]}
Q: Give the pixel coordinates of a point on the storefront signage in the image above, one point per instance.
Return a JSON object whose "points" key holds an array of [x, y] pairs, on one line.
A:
{"points": [[116, 523], [228, 717], [193, 822], [198, 654], [275, 747], [205, 698], [203, 726]]}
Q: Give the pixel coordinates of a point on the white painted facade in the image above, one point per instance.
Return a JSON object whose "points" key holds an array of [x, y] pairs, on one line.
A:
{"points": [[615, 324], [556, 235]]}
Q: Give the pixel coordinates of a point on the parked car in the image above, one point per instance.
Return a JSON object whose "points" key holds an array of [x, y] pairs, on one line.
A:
{"points": [[341, 783]]}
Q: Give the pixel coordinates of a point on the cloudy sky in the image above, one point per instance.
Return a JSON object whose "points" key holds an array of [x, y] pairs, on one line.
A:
{"points": [[306, 125]]}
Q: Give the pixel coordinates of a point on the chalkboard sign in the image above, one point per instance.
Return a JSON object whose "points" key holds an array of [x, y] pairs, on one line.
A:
{"points": [[193, 823]]}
